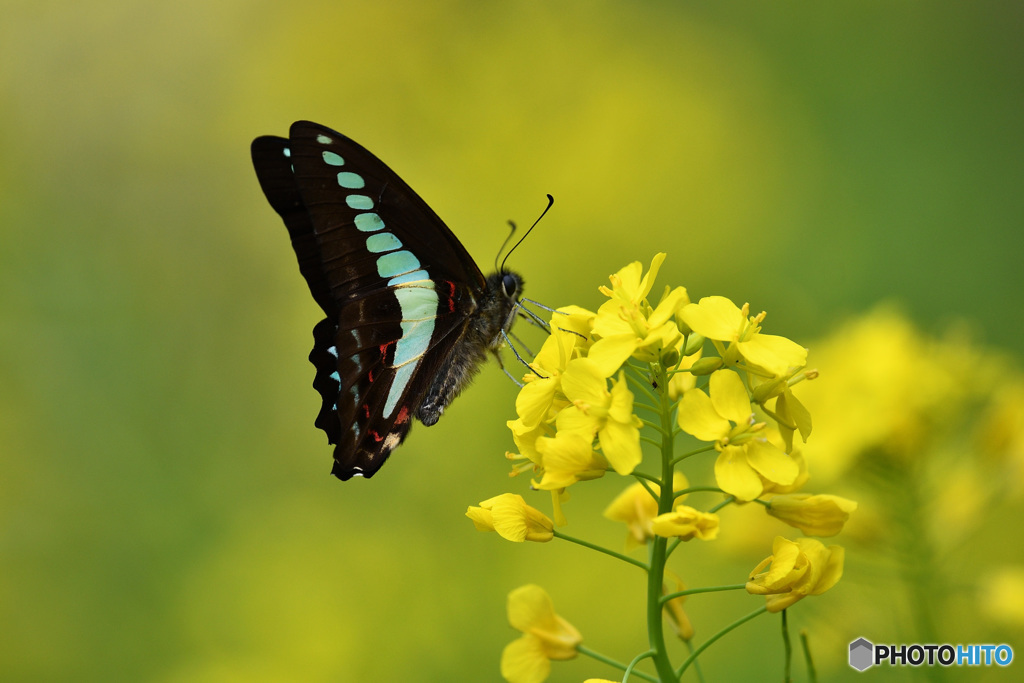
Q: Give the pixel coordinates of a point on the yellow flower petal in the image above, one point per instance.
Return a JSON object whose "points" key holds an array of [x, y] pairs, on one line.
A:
{"points": [[482, 519], [714, 317], [535, 400], [652, 274], [772, 463], [584, 384], [729, 397], [523, 661], [697, 416], [530, 606], [669, 305], [686, 523], [735, 476], [815, 515], [609, 353], [775, 354], [620, 444]]}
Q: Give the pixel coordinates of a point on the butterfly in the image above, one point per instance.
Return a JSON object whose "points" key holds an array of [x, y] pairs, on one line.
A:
{"points": [[409, 317]]}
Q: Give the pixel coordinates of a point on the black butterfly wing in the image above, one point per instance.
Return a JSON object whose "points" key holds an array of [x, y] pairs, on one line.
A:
{"points": [[396, 285]]}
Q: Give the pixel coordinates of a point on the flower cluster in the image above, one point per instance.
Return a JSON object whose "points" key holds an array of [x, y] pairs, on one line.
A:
{"points": [[703, 372]]}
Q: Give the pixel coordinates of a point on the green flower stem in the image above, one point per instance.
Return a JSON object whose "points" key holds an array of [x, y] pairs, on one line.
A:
{"points": [[656, 573], [706, 644], [702, 449], [706, 589], [636, 660], [641, 404], [697, 489], [592, 546], [787, 647], [812, 675], [583, 650], [650, 491], [653, 442], [648, 477], [727, 501], [656, 427], [775, 416], [696, 664]]}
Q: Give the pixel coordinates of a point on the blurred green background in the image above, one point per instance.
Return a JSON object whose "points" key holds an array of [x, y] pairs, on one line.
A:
{"points": [[166, 512]]}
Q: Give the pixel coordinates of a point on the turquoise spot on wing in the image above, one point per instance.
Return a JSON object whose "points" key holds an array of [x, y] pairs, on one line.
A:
{"points": [[368, 222], [287, 152], [351, 181], [402, 377], [414, 342], [382, 242], [359, 201], [414, 276], [419, 308], [332, 159], [336, 377], [416, 333], [323, 139], [417, 303], [396, 263]]}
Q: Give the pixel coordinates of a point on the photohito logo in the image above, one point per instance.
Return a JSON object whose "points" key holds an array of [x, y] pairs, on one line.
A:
{"points": [[865, 654]]}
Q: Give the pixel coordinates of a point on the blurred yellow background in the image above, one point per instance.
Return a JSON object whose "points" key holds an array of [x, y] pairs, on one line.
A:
{"points": [[166, 512]]}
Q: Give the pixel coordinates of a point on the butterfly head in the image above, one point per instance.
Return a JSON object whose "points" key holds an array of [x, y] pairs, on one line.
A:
{"points": [[498, 307]]}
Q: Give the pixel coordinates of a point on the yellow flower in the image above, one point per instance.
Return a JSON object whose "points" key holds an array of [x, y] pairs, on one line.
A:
{"points": [[820, 515], [539, 398], [798, 569], [636, 508], [747, 459], [627, 322], [792, 413], [514, 520], [718, 319], [596, 410], [566, 458], [546, 636], [686, 523]]}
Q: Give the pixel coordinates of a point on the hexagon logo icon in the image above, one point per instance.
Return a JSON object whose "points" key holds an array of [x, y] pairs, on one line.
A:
{"points": [[861, 654]]}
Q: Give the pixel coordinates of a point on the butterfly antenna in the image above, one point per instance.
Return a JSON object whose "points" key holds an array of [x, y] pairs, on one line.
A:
{"points": [[512, 231], [551, 201], [533, 317], [540, 305]]}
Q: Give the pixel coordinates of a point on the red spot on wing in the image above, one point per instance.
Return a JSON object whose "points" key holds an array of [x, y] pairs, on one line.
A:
{"points": [[369, 375], [403, 416], [376, 437], [451, 296], [384, 350], [366, 409]]}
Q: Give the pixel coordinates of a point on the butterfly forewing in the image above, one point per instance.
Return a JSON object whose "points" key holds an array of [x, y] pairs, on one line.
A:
{"points": [[395, 284]]}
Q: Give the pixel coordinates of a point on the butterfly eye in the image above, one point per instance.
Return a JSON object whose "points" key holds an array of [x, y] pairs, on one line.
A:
{"points": [[509, 285]]}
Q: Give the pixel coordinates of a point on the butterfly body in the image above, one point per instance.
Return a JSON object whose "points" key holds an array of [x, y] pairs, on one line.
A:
{"points": [[409, 317]]}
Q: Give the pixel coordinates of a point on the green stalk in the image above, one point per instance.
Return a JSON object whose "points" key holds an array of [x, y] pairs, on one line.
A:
{"points": [[656, 572]]}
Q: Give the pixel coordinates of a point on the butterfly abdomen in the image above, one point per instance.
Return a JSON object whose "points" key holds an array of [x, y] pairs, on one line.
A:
{"points": [[493, 315]]}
